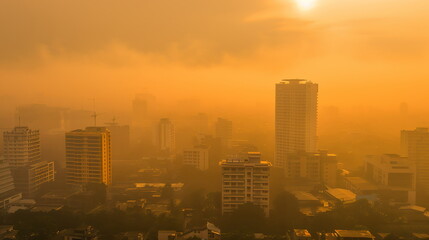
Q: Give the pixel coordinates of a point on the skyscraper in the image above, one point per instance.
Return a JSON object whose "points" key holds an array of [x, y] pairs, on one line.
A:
{"points": [[415, 146], [295, 121], [21, 149], [166, 136], [245, 180], [88, 156]]}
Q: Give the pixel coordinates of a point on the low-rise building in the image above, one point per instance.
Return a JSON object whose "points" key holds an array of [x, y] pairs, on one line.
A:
{"points": [[207, 232], [300, 234], [395, 174], [354, 235], [197, 157], [340, 195]]}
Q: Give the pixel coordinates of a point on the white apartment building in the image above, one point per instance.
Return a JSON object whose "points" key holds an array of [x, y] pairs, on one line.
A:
{"points": [[245, 180], [295, 121]]}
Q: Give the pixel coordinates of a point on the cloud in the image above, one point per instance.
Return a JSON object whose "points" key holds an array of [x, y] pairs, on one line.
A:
{"points": [[189, 31], [385, 39]]}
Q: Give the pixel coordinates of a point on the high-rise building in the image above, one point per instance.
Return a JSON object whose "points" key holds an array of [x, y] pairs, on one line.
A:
{"points": [[8, 193], [245, 180], [88, 156], [197, 157], [415, 146], [166, 136], [21, 150], [21, 146], [295, 121]]}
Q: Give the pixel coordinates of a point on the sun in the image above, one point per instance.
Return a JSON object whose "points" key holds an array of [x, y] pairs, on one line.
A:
{"points": [[305, 5]]}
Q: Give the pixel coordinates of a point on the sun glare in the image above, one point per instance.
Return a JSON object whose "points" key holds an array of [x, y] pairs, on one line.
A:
{"points": [[305, 5]]}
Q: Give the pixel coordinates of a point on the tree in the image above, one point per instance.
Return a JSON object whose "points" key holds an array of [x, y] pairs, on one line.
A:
{"points": [[212, 206], [193, 238], [247, 218], [167, 192], [285, 214]]}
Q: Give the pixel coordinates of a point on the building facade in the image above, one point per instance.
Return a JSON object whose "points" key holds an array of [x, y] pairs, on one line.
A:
{"points": [[295, 121], [245, 181], [166, 136], [8, 193], [88, 156], [394, 174], [415, 146], [197, 157], [21, 146], [316, 168], [22, 152]]}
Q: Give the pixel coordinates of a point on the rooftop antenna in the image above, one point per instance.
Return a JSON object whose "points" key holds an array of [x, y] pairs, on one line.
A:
{"points": [[18, 112], [94, 115], [113, 123]]}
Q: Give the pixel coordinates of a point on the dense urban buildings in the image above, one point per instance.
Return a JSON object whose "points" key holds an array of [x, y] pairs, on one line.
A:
{"points": [[415, 146], [21, 149], [88, 156], [295, 122], [245, 180]]}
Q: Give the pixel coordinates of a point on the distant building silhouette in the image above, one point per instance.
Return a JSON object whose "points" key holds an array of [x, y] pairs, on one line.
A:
{"points": [[120, 138], [166, 136]]}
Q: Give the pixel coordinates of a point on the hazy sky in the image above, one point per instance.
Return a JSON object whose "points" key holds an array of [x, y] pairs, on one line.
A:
{"points": [[66, 52]]}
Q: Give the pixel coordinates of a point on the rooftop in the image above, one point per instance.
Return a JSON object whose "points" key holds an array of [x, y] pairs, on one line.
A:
{"points": [[302, 233], [343, 195], [304, 196], [354, 234], [361, 183]]}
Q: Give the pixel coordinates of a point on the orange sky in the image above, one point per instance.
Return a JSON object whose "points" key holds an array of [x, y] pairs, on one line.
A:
{"points": [[366, 52]]}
